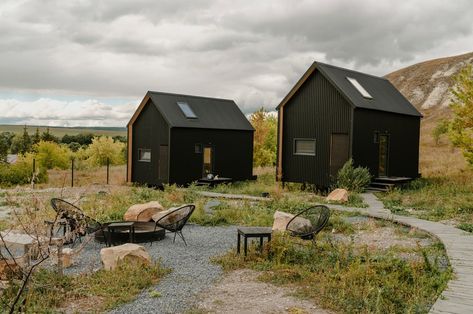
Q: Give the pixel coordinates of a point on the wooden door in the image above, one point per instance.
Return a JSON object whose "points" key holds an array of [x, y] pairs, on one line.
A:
{"points": [[383, 155], [339, 152], [163, 163]]}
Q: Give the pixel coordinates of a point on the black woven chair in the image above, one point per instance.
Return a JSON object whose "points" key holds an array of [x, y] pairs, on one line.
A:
{"points": [[317, 215], [175, 220], [74, 220]]}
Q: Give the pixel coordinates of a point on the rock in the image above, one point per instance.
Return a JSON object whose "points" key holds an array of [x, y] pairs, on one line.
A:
{"points": [[143, 212], [129, 252], [67, 260], [281, 219], [172, 217], [210, 205], [338, 195]]}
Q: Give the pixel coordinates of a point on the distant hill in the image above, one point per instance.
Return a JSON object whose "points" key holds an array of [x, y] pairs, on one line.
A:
{"points": [[427, 86], [60, 131]]}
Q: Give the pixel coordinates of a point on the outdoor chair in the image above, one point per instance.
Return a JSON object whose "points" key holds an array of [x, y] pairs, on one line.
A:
{"points": [[175, 220], [76, 224], [317, 215]]}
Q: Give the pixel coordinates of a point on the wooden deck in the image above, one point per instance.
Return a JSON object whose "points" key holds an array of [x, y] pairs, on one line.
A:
{"points": [[458, 297]]}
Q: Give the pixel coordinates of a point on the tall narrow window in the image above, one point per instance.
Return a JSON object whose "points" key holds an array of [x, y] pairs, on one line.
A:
{"points": [[359, 88], [304, 146], [144, 154], [186, 110]]}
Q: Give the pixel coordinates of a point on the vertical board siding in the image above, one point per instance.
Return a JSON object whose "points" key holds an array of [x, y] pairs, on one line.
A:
{"points": [[316, 111], [403, 130], [233, 154], [150, 130]]}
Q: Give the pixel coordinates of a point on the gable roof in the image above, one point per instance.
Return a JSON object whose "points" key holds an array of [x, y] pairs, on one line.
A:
{"points": [[385, 97], [212, 113]]}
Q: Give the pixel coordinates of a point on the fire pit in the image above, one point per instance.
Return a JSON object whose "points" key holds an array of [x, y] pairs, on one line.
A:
{"points": [[144, 232]]}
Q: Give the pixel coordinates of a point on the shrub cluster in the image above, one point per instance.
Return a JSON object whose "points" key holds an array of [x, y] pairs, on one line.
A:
{"points": [[353, 178]]}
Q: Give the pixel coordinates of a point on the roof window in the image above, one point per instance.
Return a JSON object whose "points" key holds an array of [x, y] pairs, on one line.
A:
{"points": [[359, 88], [186, 110]]}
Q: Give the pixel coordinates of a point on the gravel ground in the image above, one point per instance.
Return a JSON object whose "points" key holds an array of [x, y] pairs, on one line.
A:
{"points": [[192, 270]]}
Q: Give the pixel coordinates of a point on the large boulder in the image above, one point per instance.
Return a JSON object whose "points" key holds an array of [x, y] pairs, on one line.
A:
{"points": [[281, 219], [173, 217], [338, 195], [142, 212], [129, 252]]}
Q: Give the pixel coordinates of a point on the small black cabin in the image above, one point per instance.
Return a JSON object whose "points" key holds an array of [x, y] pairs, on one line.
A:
{"points": [[179, 139], [332, 114]]}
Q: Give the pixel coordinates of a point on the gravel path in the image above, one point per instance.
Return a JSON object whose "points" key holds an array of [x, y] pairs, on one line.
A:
{"points": [[192, 270]]}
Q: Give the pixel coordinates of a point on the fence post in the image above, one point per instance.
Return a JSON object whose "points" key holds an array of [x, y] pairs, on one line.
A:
{"points": [[34, 172], [72, 172], [108, 169]]}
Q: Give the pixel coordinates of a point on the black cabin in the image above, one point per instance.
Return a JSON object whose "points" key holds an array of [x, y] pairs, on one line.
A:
{"points": [[179, 138], [332, 114]]}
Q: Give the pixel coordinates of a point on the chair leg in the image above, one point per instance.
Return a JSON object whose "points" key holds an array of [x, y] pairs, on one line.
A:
{"points": [[182, 237], [174, 240]]}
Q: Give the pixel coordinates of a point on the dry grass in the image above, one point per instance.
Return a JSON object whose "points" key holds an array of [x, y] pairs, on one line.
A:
{"points": [[442, 159], [62, 178]]}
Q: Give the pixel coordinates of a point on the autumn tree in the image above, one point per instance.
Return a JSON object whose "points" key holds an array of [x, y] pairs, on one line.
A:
{"points": [[460, 127], [52, 155], [105, 148], [264, 150]]}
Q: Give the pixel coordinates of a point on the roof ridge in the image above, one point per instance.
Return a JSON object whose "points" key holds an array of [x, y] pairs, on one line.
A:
{"points": [[186, 95], [349, 70]]}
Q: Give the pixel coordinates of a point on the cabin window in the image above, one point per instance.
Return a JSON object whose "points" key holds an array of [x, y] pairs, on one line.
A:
{"points": [[304, 146], [186, 110], [359, 88], [198, 148], [144, 154]]}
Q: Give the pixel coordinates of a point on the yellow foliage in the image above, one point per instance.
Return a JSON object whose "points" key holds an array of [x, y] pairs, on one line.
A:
{"points": [[264, 150], [460, 128], [104, 148]]}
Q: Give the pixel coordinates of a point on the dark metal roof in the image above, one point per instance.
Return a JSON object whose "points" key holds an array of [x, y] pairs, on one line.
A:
{"points": [[385, 96], [212, 113]]}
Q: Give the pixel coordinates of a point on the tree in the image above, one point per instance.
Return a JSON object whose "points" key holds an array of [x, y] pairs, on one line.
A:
{"points": [[48, 137], [21, 144], [104, 148], [51, 155], [460, 127], [3, 148], [264, 147], [36, 137]]}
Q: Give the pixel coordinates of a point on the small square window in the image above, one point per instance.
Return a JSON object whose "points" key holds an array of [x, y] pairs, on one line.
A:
{"points": [[144, 155], [304, 146], [198, 148]]}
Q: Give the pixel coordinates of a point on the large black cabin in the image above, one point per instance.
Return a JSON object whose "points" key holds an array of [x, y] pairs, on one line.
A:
{"points": [[332, 114], [178, 139]]}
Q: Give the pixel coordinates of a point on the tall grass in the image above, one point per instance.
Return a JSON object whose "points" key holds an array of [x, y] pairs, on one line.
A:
{"points": [[435, 198], [341, 278]]}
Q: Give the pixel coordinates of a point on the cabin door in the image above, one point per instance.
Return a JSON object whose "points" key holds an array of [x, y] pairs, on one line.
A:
{"points": [[208, 158], [163, 168], [383, 155], [339, 152]]}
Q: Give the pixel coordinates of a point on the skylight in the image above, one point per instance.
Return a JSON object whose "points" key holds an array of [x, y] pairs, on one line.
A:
{"points": [[187, 110], [359, 88]]}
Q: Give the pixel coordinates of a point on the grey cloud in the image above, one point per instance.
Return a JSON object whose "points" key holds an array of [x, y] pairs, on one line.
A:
{"points": [[252, 51]]}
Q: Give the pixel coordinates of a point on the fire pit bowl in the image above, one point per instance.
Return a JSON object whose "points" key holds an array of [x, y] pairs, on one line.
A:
{"points": [[144, 232]]}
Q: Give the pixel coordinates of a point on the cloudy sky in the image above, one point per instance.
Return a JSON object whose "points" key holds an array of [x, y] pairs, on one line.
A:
{"points": [[89, 62]]}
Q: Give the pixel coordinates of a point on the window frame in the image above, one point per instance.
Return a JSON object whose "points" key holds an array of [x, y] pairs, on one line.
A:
{"points": [[140, 154], [303, 139]]}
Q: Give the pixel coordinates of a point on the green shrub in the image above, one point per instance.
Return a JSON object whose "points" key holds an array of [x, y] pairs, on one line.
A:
{"points": [[21, 172], [353, 179]]}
